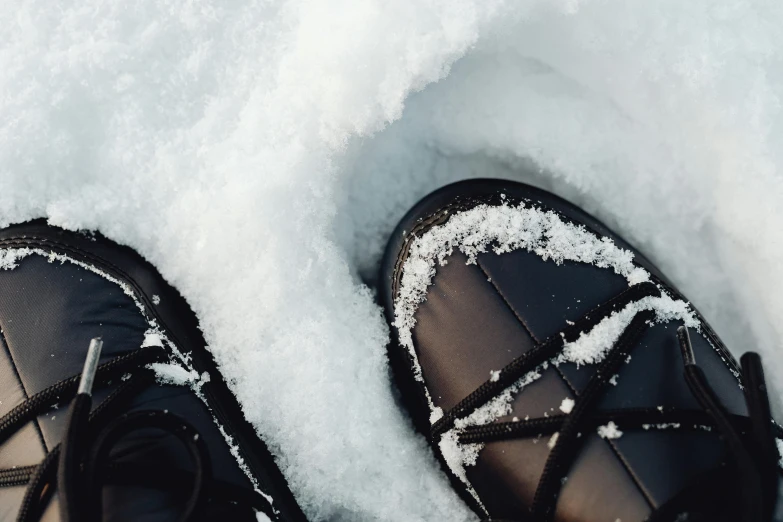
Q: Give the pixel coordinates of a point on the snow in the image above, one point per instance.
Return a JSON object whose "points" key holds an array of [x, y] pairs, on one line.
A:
{"points": [[667, 425], [234, 449], [553, 440], [609, 431], [567, 405], [9, 258], [170, 373], [260, 153], [152, 337], [591, 346], [458, 456], [177, 375], [779, 444], [499, 405]]}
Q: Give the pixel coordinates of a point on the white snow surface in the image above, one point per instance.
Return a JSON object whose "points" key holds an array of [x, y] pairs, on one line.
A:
{"points": [[259, 153]]}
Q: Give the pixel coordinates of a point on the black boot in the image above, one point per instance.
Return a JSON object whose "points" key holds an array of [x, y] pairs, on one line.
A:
{"points": [[165, 440], [560, 376]]}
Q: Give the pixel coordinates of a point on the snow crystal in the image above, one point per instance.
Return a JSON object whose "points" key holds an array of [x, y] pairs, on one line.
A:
{"points": [[567, 405], [609, 431], [171, 373], [462, 455], [494, 376], [260, 154], [177, 375], [500, 405], [234, 450], [152, 337], [779, 444], [156, 299], [666, 426], [10, 257], [457, 456]]}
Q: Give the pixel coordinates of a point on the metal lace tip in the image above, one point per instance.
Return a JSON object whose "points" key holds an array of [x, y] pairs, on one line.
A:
{"points": [[685, 345], [90, 366]]}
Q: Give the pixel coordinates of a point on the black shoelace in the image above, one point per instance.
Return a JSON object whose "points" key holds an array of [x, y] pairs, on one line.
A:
{"points": [[750, 440], [80, 465]]}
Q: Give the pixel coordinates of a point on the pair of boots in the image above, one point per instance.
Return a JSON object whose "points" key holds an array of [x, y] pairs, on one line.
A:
{"points": [[556, 372]]}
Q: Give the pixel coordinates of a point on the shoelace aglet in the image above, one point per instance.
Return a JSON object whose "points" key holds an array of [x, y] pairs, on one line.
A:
{"points": [[90, 366], [685, 346], [69, 472]]}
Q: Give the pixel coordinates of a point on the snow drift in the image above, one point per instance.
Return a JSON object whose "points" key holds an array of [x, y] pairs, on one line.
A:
{"points": [[259, 153]]}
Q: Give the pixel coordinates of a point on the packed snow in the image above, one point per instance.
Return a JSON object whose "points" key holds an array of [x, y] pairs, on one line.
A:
{"points": [[259, 153]]}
